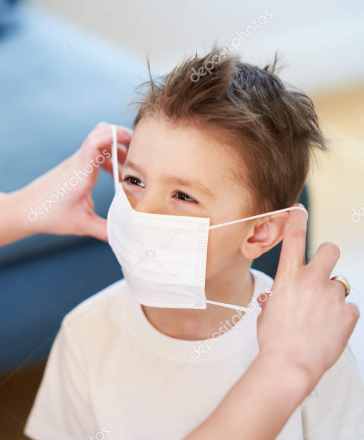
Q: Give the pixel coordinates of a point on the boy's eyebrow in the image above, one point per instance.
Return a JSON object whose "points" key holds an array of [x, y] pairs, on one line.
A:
{"points": [[196, 184]]}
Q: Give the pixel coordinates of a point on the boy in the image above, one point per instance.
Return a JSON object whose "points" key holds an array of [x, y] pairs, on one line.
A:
{"points": [[227, 145]]}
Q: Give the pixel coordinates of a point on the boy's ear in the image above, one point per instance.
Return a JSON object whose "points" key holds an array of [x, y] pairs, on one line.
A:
{"points": [[263, 236]]}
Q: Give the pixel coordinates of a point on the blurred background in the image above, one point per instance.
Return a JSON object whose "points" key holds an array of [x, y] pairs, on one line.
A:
{"points": [[65, 66]]}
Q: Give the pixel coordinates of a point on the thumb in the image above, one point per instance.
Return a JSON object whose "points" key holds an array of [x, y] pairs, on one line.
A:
{"points": [[96, 227]]}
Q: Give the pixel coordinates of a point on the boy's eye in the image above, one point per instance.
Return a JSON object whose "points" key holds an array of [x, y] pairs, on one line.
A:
{"points": [[185, 198], [133, 181], [179, 195]]}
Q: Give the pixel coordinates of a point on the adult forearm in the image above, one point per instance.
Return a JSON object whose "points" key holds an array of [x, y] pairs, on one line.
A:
{"points": [[259, 404], [14, 222]]}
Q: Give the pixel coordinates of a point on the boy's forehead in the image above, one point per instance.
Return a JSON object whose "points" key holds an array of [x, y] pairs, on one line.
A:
{"points": [[181, 151]]}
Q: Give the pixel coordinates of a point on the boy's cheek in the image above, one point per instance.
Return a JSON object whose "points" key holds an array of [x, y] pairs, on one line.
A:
{"points": [[222, 251]]}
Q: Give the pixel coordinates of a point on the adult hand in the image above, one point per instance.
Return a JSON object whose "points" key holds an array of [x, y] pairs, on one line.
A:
{"points": [[59, 202], [305, 323], [303, 328]]}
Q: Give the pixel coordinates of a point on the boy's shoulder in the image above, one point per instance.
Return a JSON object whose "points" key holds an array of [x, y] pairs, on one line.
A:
{"points": [[262, 281], [100, 311]]}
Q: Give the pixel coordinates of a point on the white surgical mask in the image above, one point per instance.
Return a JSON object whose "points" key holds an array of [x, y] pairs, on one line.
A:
{"points": [[163, 257]]}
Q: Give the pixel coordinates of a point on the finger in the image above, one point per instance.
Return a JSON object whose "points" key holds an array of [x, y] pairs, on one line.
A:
{"points": [[103, 139], [325, 258], [89, 201], [123, 134], [122, 153], [262, 300], [96, 227], [340, 288], [107, 165], [104, 126], [294, 242], [353, 314], [100, 140]]}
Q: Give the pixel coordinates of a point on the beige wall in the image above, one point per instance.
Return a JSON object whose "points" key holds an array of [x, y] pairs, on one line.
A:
{"points": [[337, 178], [336, 187]]}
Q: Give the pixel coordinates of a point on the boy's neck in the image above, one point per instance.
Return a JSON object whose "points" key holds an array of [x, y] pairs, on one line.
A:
{"points": [[230, 287]]}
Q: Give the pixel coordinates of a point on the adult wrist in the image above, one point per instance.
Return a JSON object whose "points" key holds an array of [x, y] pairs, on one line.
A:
{"points": [[297, 378]]}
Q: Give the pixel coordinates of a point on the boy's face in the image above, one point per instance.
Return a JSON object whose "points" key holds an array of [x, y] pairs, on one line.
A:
{"points": [[183, 171]]}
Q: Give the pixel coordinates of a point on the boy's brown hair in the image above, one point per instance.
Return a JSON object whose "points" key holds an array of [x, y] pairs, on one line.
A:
{"points": [[274, 128]]}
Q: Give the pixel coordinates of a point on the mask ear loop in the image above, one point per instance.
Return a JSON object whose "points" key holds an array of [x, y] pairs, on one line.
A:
{"points": [[114, 158], [262, 215], [230, 306]]}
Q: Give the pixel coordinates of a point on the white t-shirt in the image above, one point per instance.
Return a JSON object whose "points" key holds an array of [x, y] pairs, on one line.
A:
{"points": [[112, 375]]}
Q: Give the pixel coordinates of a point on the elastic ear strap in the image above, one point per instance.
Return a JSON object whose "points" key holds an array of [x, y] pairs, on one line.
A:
{"points": [[114, 157], [261, 215], [229, 306]]}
